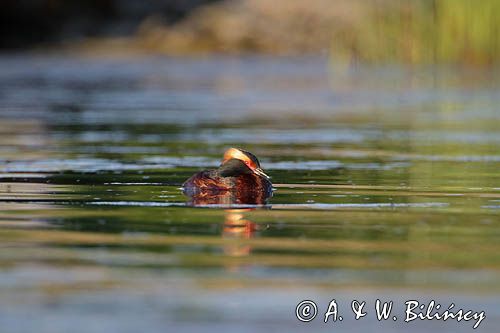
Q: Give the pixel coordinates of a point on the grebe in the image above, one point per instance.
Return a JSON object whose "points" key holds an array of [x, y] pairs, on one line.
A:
{"points": [[239, 179]]}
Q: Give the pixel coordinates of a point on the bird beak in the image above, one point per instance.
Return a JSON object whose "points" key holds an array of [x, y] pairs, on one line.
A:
{"points": [[260, 172]]}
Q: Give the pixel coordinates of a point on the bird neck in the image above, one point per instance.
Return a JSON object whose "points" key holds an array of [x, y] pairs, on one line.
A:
{"points": [[233, 168]]}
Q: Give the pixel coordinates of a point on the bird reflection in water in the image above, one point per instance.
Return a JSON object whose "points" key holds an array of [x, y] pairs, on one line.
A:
{"points": [[228, 198], [236, 224]]}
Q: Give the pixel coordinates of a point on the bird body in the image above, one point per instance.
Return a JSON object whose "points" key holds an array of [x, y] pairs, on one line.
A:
{"points": [[239, 179]]}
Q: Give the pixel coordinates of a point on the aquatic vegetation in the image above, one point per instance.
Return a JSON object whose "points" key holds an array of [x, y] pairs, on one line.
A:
{"points": [[423, 32]]}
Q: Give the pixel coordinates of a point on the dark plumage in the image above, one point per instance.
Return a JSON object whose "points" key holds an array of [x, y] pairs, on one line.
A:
{"points": [[238, 180]]}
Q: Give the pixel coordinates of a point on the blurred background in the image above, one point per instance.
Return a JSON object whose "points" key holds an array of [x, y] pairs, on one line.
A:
{"points": [[412, 32], [378, 122]]}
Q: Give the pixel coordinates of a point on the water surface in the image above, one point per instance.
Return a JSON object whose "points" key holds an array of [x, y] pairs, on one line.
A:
{"points": [[387, 186]]}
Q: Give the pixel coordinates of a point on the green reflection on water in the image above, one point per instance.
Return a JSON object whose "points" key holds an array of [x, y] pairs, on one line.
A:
{"points": [[383, 197]]}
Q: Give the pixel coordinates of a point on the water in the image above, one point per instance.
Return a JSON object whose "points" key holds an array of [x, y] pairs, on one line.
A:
{"points": [[387, 186]]}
